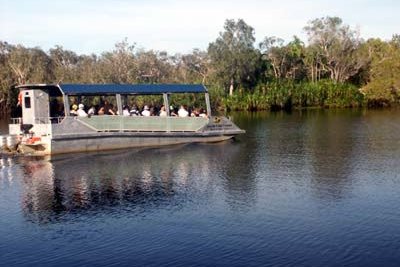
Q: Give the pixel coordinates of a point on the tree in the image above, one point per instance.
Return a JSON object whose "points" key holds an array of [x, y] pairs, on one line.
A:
{"points": [[334, 47], [383, 87], [153, 67], [65, 64], [272, 51], [286, 61], [7, 78], [198, 63], [233, 55], [118, 66]]}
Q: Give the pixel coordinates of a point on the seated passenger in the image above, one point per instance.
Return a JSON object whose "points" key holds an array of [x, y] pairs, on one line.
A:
{"points": [[163, 112], [125, 111], [203, 113], [172, 111], [134, 111], [81, 112], [182, 112], [195, 113], [112, 110], [146, 111], [74, 110], [153, 111], [107, 109], [92, 111]]}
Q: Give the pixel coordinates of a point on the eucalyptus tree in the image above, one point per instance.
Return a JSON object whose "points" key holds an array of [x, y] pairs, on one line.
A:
{"points": [[7, 77], [284, 61], [196, 64], [334, 47], [295, 68], [87, 69], [273, 52], [64, 64], [383, 85], [154, 67], [29, 65], [118, 66], [233, 55], [21, 65]]}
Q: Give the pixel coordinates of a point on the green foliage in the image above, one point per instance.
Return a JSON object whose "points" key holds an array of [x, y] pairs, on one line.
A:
{"points": [[335, 47], [233, 55], [384, 86], [283, 61], [288, 95], [325, 73]]}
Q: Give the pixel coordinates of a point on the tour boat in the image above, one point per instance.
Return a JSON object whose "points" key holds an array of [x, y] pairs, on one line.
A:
{"points": [[42, 130]]}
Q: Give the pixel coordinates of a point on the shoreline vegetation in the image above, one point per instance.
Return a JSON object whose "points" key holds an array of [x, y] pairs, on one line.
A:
{"points": [[334, 69]]}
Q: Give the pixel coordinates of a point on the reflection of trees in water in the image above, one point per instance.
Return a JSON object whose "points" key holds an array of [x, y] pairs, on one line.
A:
{"points": [[288, 147], [380, 129], [134, 181], [331, 142], [240, 176]]}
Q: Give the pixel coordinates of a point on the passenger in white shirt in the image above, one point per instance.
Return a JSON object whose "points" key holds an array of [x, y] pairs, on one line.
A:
{"points": [[203, 114], [182, 112], [92, 111], [81, 111], [146, 111], [163, 112], [125, 111]]}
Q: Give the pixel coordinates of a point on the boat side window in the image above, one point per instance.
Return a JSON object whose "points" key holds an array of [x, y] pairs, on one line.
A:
{"points": [[27, 102]]}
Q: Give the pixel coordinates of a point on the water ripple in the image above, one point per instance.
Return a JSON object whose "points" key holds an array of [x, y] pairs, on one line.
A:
{"points": [[311, 188]]}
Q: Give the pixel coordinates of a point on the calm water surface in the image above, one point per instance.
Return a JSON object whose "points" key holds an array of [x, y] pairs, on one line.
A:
{"points": [[315, 188]]}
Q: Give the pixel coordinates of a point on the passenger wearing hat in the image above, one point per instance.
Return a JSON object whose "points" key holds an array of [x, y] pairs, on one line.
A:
{"points": [[146, 111], [81, 112]]}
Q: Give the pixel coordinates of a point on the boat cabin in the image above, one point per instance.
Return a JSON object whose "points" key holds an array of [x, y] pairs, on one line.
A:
{"points": [[44, 104]]}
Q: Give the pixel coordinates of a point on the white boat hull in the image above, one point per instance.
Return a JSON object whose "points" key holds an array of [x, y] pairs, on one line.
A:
{"points": [[102, 143]]}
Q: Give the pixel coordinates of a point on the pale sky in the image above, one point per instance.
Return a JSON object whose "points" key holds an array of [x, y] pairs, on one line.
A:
{"points": [[87, 26]]}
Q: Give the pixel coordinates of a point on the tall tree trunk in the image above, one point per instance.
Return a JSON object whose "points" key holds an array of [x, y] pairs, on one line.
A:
{"points": [[231, 88]]}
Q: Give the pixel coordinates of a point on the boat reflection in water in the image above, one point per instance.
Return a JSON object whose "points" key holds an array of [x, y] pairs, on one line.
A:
{"points": [[137, 181]]}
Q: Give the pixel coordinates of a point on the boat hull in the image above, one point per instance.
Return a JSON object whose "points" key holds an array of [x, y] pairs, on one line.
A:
{"points": [[109, 133], [74, 144]]}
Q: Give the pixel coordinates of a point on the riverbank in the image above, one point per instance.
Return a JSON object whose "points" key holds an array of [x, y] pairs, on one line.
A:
{"points": [[288, 95]]}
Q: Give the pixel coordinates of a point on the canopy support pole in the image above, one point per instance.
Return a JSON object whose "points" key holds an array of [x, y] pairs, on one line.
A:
{"points": [[119, 104], [125, 102], [66, 105], [207, 96], [166, 103]]}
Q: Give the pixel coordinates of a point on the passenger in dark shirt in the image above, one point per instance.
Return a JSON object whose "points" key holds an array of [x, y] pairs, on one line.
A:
{"points": [[107, 109]]}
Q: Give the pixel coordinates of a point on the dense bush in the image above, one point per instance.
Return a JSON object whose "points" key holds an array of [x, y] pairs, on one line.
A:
{"points": [[288, 94]]}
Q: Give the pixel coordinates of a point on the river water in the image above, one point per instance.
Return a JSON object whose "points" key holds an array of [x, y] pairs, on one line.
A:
{"points": [[311, 188]]}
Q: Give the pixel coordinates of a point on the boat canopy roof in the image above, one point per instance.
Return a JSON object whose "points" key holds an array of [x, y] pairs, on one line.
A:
{"points": [[112, 89]]}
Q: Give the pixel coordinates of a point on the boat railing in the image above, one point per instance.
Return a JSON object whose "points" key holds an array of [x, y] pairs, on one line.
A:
{"points": [[39, 120], [15, 120], [106, 123]]}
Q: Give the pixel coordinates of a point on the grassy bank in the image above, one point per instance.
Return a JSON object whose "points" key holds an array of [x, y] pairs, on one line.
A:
{"points": [[288, 95]]}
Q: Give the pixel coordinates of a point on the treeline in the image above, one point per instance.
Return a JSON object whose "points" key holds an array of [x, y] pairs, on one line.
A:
{"points": [[336, 68]]}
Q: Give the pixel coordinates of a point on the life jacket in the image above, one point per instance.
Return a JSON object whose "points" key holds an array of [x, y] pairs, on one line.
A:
{"points": [[20, 98]]}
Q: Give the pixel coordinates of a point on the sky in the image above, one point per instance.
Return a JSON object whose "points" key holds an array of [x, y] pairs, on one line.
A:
{"points": [[176, 26]]}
